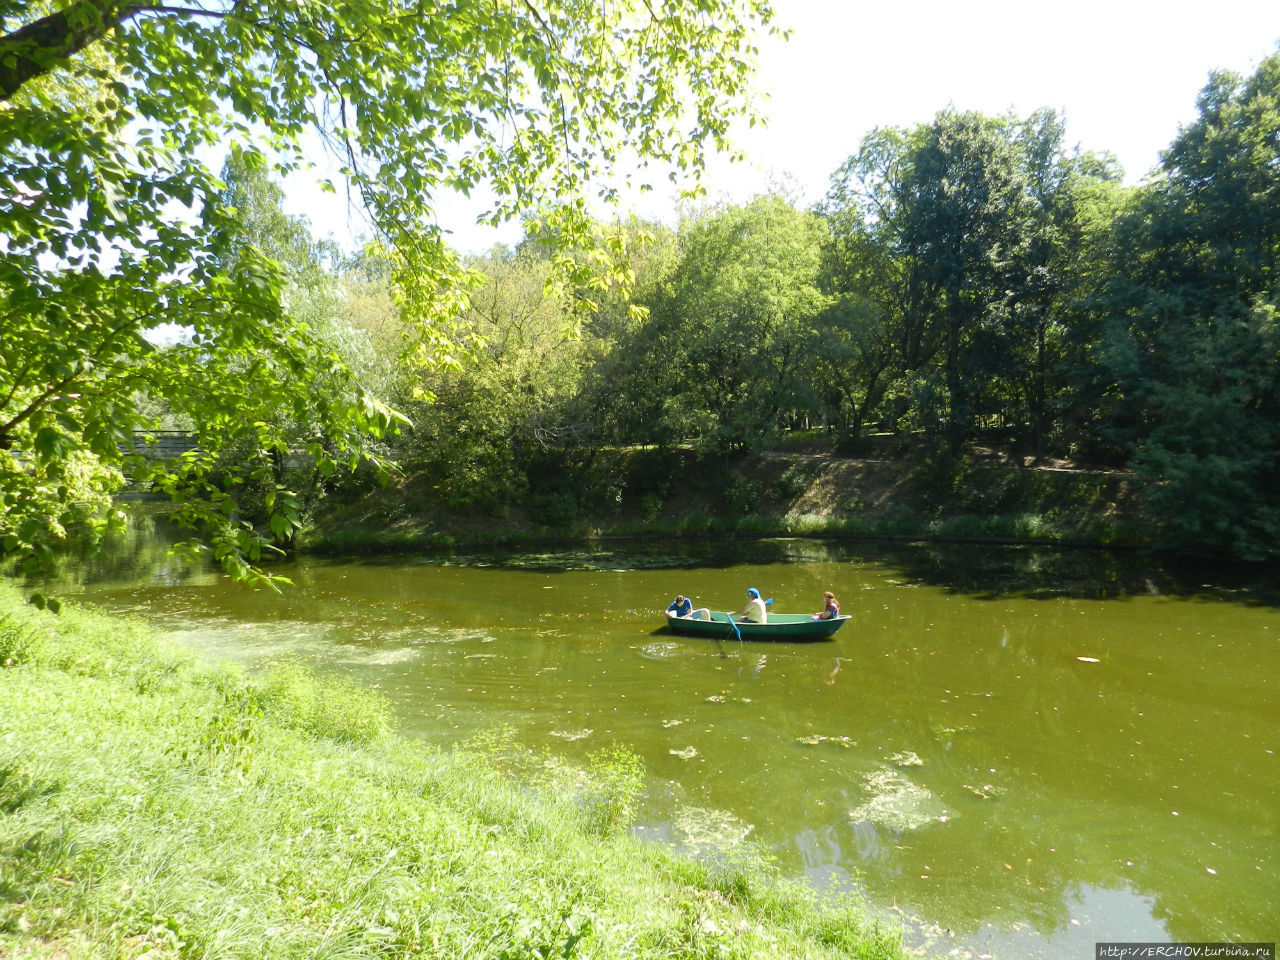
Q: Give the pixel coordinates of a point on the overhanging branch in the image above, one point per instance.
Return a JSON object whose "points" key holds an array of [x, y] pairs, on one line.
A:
{"points": [[43, 45]]}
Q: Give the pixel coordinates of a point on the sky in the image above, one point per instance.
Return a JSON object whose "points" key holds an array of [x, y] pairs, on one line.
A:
{"points": [[1125, 74]]}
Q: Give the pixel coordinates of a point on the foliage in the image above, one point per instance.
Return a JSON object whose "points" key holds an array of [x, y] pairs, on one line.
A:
{"points": [[740, 494], [971, 282], [117, 233], [953, 255], [484, 420], [1192, 341], [721, 357]]}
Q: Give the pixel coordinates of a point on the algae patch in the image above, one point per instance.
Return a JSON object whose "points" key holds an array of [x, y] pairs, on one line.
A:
{"points": [[897, 803]]}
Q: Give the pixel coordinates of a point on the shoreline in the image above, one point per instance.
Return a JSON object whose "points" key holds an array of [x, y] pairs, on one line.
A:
{"points": [[220, 812]]}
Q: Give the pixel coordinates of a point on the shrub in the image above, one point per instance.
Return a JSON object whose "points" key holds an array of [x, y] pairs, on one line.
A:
{"points": [[740, 494], [790, 485], [558, 510], [650, 507]]}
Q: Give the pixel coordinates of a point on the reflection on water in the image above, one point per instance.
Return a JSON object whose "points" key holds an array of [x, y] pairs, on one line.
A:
{"points": [[1020, 753]]}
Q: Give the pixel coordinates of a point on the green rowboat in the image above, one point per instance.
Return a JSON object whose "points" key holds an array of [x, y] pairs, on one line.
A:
{"points": [[789, 627]]}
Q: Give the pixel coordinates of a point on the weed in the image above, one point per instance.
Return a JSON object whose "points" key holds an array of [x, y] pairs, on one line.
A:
{"points": [[18, 642]]}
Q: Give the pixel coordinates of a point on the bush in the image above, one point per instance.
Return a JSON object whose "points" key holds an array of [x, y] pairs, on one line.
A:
{"points": [[740, 494], [558, 510], [650, 507], [940, 479], [790, 485]]}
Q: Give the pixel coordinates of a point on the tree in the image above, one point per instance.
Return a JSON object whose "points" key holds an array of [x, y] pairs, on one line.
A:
{"points": [[487, 417], [961, 236], [939, 207], [115, 228], [722, 355], [1192, 341]]}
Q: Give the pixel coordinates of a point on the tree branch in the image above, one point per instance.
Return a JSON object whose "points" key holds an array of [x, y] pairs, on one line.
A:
{"points": [[35, 49], [43, 45]]}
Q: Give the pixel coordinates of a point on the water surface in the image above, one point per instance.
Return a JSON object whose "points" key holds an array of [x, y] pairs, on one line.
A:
{"points": [[1019, 753]]}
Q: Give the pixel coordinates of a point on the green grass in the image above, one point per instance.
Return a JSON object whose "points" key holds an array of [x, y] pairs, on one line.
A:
{"points": [[151, 806]]}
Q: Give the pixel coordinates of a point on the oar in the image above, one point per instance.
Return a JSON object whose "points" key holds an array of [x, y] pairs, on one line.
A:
{"points": [[729, 616]]}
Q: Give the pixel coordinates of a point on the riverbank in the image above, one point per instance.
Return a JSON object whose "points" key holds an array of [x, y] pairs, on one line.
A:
{"points": [[155, 806], [650, 493]]}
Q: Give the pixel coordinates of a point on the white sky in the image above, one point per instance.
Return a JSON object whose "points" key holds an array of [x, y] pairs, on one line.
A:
{"points": [[1125, 72]]}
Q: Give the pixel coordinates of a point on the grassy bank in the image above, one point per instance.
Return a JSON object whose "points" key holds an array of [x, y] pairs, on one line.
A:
{"points": [[152, 806], [649, 493]]}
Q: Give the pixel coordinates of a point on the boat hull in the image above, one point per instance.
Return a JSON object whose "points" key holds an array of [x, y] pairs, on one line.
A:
{"points": [[790, 628]]}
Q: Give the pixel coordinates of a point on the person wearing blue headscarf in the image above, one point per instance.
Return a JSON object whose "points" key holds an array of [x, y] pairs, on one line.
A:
{"points": [[755, 610]]}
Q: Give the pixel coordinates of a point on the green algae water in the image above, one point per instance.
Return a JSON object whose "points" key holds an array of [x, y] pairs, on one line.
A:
{"points": [[1014, 753]]}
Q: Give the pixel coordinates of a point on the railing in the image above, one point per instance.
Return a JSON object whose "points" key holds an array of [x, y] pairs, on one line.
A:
{"points": [[166, 443]]}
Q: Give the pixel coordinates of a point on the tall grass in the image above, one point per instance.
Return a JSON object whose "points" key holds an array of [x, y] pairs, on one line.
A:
{"points": [[154, 807]]}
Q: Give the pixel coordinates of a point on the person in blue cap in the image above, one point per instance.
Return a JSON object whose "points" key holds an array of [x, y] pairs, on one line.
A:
{"points": [[755, 610]]}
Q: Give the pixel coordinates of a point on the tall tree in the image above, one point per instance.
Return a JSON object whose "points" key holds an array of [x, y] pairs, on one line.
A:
{"points": [[1066, 200], [114, 227], [962, 235], [1193, 345], [722, 355], [488, 416]]}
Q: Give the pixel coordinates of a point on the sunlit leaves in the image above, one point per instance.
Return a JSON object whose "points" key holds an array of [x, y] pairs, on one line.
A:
{"points": [[115, 230], [721, 357], [1192, 342]]}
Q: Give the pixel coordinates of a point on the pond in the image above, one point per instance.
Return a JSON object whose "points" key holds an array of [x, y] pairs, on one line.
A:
{"points": [[1017, 753]]}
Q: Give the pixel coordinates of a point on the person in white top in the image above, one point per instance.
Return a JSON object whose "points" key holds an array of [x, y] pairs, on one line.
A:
{"points": [[754, 611]]}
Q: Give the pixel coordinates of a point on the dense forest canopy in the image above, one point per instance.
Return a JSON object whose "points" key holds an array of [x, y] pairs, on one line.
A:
{"points": [[969, 280], [973, 279]]}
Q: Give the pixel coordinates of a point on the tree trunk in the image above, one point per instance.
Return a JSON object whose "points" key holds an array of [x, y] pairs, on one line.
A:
{"points": [[43, 45]]}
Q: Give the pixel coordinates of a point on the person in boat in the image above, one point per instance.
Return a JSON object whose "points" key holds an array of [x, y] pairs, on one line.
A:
{"points": [[682, 607], [755, 610], [831, 608]]}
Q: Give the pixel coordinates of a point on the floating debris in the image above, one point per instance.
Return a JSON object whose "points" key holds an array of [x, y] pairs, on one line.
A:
{"points": [[815, 739], [384, 658], [572, 735], [668, 724], [984, 792], [897, 803], [440, 635], [1088, 659], [688, 753], [907, 758], [661, 651], [703, 827], [716, 698]]}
